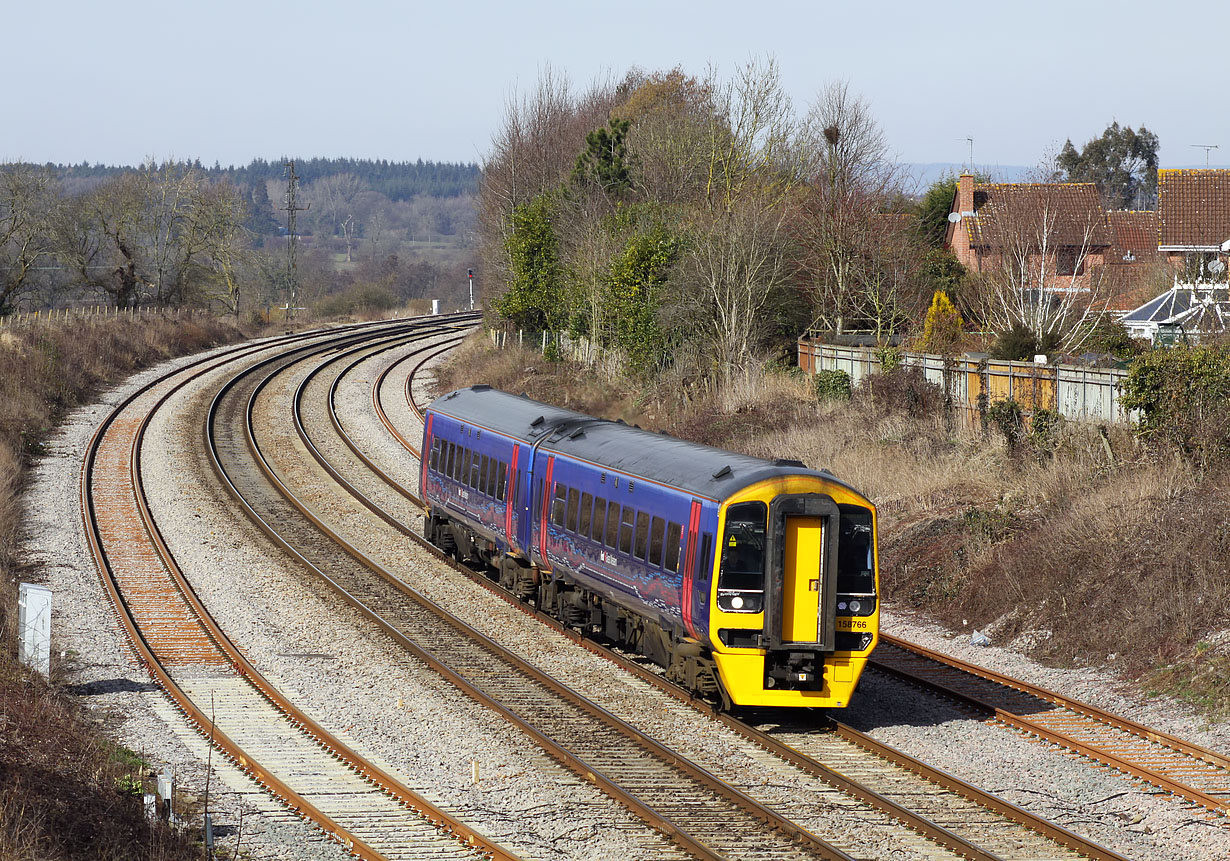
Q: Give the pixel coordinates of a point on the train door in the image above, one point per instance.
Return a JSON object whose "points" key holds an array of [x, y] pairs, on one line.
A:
{"points": [[801, 600], [804, 555]]}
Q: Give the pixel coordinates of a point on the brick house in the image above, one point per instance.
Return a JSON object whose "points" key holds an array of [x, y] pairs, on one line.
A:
{"points": [[1061, 222], [1193, 217]]}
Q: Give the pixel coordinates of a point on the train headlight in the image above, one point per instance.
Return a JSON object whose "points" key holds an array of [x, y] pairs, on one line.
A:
{"points": [[737, 602], [855, 606]]}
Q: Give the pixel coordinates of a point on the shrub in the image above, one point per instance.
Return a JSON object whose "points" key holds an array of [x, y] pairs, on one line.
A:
{"points": [[1183, 395], [832, 385], [1020, 343], [942, 328], [1006, 417], [904, 389]]}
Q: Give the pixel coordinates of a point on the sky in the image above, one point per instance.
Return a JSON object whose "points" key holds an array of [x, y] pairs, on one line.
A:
{"points": [[127, 80]]}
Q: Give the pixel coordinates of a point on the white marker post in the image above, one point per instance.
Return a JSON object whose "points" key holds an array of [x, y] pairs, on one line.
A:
{"points": [[34, 625]]}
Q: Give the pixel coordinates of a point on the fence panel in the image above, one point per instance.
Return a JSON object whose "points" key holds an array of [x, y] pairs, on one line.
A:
{"points": [[1080, 394]]}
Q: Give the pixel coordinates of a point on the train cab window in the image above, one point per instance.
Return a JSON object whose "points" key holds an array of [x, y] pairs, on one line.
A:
{"points": [[501, 481], [451, 460], [612, 526], [657, 531], [574, 505], [599, 522], [587, 508], [673, 534], [642, 534], [627, 525], [741, 579], [557, 507], [856, 574]]}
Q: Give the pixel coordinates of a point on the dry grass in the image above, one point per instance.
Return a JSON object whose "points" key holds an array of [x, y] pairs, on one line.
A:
{"points": [[64, 793], [1082, 548]]}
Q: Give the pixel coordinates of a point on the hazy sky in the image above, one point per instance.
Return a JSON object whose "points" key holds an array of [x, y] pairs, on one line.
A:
{"points": [[121, 81]]}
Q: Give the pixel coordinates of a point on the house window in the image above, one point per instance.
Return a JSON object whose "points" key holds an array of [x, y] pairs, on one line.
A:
{"points": [[1070, 261]]}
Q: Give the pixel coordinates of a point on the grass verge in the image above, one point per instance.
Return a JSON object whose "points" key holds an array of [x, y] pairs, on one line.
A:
{"points": [[65, 791]]}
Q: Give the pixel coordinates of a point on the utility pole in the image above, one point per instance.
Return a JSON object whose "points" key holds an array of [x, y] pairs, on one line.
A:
{"points": [[292, 237]]}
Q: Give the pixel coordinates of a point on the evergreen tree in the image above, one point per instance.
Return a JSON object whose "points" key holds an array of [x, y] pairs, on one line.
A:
{"points": [[1122, 163]]}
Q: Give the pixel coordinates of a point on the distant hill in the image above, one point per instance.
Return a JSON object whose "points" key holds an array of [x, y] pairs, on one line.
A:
{"points": [[396, 180]]}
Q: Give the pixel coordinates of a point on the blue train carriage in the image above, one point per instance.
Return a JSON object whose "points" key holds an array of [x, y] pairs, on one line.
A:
{"points": [[612, 529]]}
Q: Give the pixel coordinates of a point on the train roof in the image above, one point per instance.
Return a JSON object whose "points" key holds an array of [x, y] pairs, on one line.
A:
{"points": [[696, 468]]}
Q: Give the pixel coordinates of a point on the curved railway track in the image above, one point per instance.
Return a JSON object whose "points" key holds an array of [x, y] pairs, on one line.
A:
{"points": [[707, 817], [979, 825], [357, 804], [1162, 760]]}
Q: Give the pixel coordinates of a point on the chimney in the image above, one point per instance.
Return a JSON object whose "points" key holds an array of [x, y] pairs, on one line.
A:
{"points": [[965, 193]]}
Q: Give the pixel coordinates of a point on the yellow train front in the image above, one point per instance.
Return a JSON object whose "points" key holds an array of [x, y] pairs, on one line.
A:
{"points": [[793, 607]]}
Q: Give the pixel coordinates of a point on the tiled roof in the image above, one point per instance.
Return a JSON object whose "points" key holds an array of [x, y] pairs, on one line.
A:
{"points": [[1133, 231], [1193, 208], [1073, 207]]}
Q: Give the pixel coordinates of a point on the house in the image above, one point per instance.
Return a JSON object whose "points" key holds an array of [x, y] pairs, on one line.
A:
{"points": [[1193, 219], [1057, 230]]}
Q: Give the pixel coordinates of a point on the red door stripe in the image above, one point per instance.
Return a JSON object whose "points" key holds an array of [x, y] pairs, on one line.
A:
{"points": [[510, 498], [547, 491], [425, 454], [689, 567]]}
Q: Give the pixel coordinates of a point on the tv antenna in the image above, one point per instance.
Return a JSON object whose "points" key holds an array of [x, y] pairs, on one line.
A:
{"points": [[1206, 148], [971, 152]]}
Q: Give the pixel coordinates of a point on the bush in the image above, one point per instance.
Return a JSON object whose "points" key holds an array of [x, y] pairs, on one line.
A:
{"points": [[1183, 395], [832, 385], [904, 389], [1006, 416], [1020, 343]]}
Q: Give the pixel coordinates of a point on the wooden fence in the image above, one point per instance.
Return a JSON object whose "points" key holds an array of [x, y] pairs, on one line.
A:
{"points": [[1077, 393], [90, 312]]}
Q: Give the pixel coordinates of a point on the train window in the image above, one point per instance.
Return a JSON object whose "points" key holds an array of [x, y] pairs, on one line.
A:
{"points": [[587, 507], [741, 579], [574, 503], [459, 464], [484, 469], [435, 454], [452, 454], [501, 481], [599, 519], [673, 534], [627, 525], [656, 531], [642, 534], [856, 573], [557, 507], [612, 526], [474, 464], [703, 560]]}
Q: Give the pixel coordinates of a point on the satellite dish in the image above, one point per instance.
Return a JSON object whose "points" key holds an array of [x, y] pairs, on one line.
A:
{"points": [[1217, 267], [954, 217]]}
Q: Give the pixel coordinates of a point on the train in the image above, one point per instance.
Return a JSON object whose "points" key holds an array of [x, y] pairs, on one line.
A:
{"points": [[752, 582]]}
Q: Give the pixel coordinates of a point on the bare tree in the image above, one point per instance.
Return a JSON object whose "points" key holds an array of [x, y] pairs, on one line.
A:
{"points": [[27, 201], [840, 223]]}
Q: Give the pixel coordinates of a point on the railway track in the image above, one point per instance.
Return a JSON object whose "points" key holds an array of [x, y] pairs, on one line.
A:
{"points": [[700, 813], [357, 804], [1164, 761], [977, 825]]}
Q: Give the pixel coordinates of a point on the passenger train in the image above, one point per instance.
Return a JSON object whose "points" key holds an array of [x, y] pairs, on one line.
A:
{"points": [[752, 582]]}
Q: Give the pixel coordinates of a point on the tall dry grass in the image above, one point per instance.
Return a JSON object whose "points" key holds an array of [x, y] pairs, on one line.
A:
{"points": [[63, 792]]}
